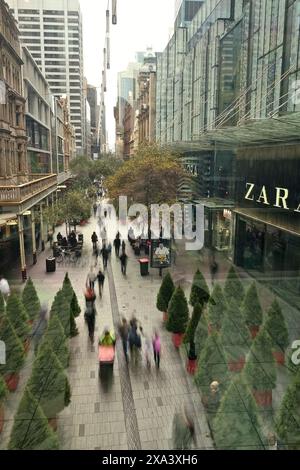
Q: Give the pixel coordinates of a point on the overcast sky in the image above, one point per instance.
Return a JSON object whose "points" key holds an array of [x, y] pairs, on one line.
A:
{"points": [[141, 24]]}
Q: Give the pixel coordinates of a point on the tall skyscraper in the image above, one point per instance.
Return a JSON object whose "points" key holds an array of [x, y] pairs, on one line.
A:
{"points": [[52, 31]]}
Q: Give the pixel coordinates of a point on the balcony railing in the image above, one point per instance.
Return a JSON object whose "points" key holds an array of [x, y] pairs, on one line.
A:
{"points": [[16, 194]]}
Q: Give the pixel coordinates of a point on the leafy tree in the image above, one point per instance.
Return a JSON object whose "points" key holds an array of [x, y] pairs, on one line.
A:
{"points": [[235, 335], [212, 365], [234, 287], [152, 176], [201, 335], [199, 291], [165, 293], [189, 336], [276, 326], [178, 312], [52, 214], [30, 300], [14, 349], [31, 430], [55, 336], [251, 307], [18, 317], [260, 370], [87, 170], [216, 308], [288, 418], [236, 425], [48, 382]]}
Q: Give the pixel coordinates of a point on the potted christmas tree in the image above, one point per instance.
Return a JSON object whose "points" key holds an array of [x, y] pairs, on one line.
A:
{"points": [[18, 317], [49, 384], [164, 295], [55, 336], [178, 316], [201, 334], [75, 310], [260, 370], [212, 367], [31, 301], [2, 307], [233, 287], [216, 309], [61, 308], [14, 355], [31, 430], [252, 310], [200, 291], [288, 418], [276, 327], [3, 393], [235, 337], [189, 338], [236, 425]]}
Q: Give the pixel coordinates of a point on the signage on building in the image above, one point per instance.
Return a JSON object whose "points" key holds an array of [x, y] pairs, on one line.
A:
{"points": [[279, 197]]}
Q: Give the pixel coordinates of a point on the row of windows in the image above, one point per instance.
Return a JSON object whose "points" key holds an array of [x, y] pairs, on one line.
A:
{"points": [[29, 33], [53, 27], [29, 26], [54, 35], [53, 20], [34, 19]]}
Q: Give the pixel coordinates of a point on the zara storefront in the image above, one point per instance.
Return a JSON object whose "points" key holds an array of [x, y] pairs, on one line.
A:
{"points": [[267, 217]]}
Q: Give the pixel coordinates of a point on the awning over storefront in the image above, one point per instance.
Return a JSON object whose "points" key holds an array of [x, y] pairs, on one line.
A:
{"points": [[283, 129]]}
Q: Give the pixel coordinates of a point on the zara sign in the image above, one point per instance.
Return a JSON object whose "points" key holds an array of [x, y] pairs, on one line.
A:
{"points": [[279, 198]]}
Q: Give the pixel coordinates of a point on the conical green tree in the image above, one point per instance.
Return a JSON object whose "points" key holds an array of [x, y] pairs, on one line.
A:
{"points": [[189, 336], [260, 370], [288, 418], [165, 293], [200, 291], [275, 325], [48, 382], [212, 365], [2, 306], [55, 336], [61, 308], [70, 293], [234, 287], [31, 430], [251, 307], [201, 335], [14, 349], [18, 317], [30, 300], [236, 425], [178, 312], [235, 336], [216, 308], [3, 390]]}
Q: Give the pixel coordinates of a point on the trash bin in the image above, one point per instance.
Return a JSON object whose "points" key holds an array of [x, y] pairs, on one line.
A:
{"points": [[144, 266], [50, 265]]}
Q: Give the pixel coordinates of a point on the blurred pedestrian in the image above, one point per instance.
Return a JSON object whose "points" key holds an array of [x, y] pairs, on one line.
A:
{"points": [[105, 255], [123, 259], [101, 279], [123, 246], [94, 239], [91, 278], [156, 343], [4, 288], [135, 343], [95, 207], [117, 244], [39, 327], [123, 332], [183, 430]]}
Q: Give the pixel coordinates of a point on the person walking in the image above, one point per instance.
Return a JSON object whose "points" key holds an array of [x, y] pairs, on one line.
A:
{"points": [[101, 279], [91, 278], [123, 245], [94, 241], [156, 343], [50, 237], [105, 255], [123, 259], [4, 288], [135, 343], [117, 244], [95, 207], [104, 235], [183, 430], [39, 327], [90, 312], [123, 330]]}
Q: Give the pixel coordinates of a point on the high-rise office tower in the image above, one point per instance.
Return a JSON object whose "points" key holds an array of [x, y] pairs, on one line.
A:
{"points": [[52, 31]]}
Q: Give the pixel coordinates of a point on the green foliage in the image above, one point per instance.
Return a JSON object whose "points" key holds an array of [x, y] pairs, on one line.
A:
{"points": [[2, 306], [193, 323], [14, 349], [288, 418], [61, 308], [55, 336], [216, 308], [201, 335], [276, 326], [30, 300], [199, 291], [152, 176], [251, 308], [165, 293], [75, 206], [236, 425], [3, 390], [18, 317], [87, 170], [260, 370], [178, 312], [235, 335], [70, 294], [212, 365], [31, 430], [234, 287], [48, 382]]}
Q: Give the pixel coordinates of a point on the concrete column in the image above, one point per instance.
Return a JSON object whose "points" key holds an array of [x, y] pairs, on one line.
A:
{"points": [[22, 247], [34, 256], [2, 159]]}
